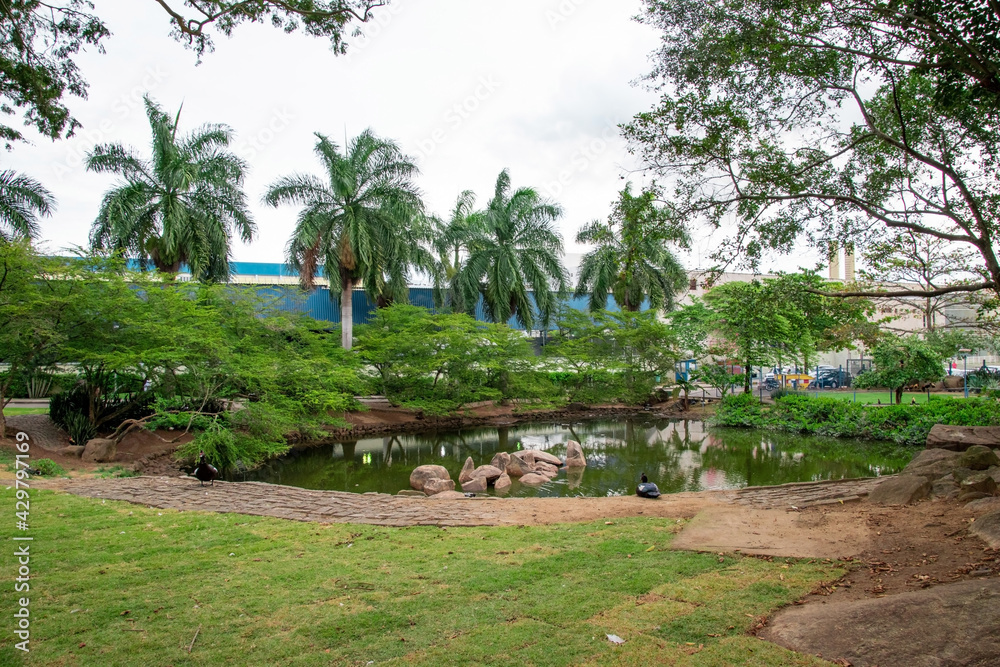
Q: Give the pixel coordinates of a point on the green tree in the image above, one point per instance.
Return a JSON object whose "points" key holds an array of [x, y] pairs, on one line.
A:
{"points": [[631, 260], [514, 251], [450, 242], [182, 206], [22, 201], [835, 122], [357, 221], [900, 362], [752, 320], [39, 41]]}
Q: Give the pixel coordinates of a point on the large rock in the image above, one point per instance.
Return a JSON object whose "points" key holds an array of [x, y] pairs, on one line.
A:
{"points": [[421, 474], [545, 457], [467, 469], [995, 474], [71, 450], [546, 469], [500, 460], [574, 455], [534, 479], [491, 473], [980, 482], [502, 484], [475, 485], [987, 528], [900, 490], [984, 506], [978, 457], [945, 487], [100, 450], [411, 493], [526, 455], [432, 487], [932, 459], [516, 467], [960, 438], [448, 495]]}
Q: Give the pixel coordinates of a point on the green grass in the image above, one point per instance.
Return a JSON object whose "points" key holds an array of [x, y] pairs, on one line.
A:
{"points": [[876, 396], [10, 412], [119, 584]]}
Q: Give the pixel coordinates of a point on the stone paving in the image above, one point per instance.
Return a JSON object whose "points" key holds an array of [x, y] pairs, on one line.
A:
{"points": [[185, 493]]}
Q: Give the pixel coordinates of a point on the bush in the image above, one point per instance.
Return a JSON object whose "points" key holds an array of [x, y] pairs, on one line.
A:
{"points": [[79, 428], [48, 468], [226, 448], [739, 410]]}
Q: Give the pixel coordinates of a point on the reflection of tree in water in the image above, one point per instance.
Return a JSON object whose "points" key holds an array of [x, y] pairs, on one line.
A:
{"points": [[677, 456]]}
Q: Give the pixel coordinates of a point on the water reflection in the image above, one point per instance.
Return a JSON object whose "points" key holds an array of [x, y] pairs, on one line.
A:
{"points": [[677, 455]]}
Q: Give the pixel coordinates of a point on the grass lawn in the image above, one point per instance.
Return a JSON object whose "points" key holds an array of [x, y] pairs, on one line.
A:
{"points": [[10, 412], [884, 396], [119, 584]]}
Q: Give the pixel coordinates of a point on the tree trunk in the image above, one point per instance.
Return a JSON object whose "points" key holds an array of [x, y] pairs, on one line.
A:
{"points": [[899, 395], [747, 378], [346, 315]]}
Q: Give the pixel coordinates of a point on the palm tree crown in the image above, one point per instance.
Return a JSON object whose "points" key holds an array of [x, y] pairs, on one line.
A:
{"points": [[512, 250], [22, 201], [363, 220], [631, 260], [181, 206]]}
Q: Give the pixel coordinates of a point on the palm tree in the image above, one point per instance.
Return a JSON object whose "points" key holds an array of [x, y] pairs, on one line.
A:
{"points": [[362, 221], [514, 250], [180, 207], [450, 242], [22, 201], [631, 261]]}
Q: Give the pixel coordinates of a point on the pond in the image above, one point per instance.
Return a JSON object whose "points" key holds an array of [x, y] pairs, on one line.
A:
{"points": [[678, 455]]}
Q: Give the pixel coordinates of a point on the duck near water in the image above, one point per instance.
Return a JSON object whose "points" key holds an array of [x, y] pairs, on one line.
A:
{"points": [[646, 489], [205, 472]]}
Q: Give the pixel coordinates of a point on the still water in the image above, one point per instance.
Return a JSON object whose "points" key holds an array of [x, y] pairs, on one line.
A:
{"points": [[678, 455]]}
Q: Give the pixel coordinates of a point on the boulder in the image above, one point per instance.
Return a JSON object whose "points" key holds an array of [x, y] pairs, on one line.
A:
{"points": [[527, 456], [995, 474], [467, 469], [448, 495], [961, 474], [71, 450], [99, 450], [500, 460], [960, 438], [412, 493], [534, 479], [502, 484], [946, 487], [516, 467], [421, 474], [546, 469], [972, 496], [981, 482], [475, 485], [978, 457], [900, 490], [574, 455], [987, 528], [984, 505], [932, 463], [545, 457], [491, 473], [432, 487]]}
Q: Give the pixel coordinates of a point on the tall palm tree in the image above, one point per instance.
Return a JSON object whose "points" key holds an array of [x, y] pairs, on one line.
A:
{"points": [[516, 249], [182, 206], [362, 221], [450, 242], [631, 260], [22, 201]]}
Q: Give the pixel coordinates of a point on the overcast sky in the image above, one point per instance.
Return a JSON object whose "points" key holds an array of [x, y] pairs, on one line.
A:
{"points": [[468, 87]]}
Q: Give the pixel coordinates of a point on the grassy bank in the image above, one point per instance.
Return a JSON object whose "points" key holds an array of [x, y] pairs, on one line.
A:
{"points": [[902, 424], [119, 584]]}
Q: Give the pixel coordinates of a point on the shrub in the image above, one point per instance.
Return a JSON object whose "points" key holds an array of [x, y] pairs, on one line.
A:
{"points": [[79, 428], [48, 468], [739, 410]]}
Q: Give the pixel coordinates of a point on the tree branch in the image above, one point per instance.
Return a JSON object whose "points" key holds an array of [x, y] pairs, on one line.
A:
{"points": [[975, 287]]}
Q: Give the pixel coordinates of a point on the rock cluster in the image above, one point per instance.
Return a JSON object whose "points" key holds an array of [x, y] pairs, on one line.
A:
{"points": [[530, 467], [967, 475]]}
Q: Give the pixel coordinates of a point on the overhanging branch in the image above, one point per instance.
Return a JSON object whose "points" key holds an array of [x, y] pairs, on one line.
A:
{"points": [[975, 287]]}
